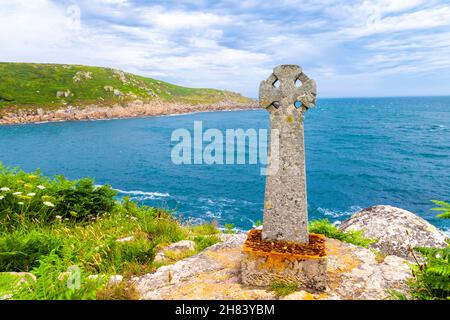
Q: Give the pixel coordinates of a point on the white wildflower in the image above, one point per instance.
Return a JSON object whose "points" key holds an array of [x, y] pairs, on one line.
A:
{"points": [[17, 193], [438, 256], [2, 197], [48, 204], [58, 217], [31, 194], [20, 203], [40, 187], [5, 189]]}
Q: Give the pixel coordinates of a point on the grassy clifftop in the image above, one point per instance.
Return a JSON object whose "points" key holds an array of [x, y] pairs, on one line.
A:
{"points": [[51, 86]]}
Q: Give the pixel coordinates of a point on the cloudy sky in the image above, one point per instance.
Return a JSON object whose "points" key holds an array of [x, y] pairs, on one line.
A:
{"points": [[352, 48]]}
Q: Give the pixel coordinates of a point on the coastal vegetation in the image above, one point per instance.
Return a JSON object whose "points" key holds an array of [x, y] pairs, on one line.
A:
{"points": [[62, 239], [32, 86], [325, 227], [432, 275], [50, 227]]}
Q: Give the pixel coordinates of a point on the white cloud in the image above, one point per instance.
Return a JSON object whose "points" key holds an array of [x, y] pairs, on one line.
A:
{"points": [[175, 20], [233, 45]]}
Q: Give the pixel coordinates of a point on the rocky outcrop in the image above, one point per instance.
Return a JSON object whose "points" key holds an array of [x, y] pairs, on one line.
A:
{"points": [[353, 273], [133, 109], [397, 231], [178, 248]]}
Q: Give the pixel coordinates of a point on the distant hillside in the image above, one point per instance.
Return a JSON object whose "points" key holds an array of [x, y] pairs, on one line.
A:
{"points": [[51, 86]]}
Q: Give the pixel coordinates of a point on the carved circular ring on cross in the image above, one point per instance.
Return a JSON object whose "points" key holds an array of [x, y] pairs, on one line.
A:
{"points": [[281, 89]]}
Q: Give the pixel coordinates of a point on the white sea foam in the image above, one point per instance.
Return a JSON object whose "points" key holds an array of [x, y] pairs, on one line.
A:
{"points": [[140, 195], [143, 193], [337, 213], [214, 215]]}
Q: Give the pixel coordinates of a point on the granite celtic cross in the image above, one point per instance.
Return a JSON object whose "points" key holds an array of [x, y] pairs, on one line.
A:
{"points": [[287, 94]]}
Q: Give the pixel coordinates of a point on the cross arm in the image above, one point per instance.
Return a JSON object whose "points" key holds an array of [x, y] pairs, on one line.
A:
{"points": [[307, 93], [268, 94]]}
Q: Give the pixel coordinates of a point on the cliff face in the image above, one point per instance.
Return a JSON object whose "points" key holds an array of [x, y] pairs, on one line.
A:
{"points": [[131, 110], [353, 272]]}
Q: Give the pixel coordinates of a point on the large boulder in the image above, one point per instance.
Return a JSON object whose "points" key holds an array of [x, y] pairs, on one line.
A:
{"points": [[397, 231]]}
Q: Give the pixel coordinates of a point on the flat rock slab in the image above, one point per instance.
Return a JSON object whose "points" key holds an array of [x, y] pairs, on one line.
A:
{"points": [[353, 273], [397, 231]]}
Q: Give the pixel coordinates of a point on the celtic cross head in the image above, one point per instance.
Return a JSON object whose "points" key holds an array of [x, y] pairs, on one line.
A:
{"points": [[287, 87]]}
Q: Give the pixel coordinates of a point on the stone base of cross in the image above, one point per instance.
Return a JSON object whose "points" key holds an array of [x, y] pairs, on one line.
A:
{"points": [[283, 250]]}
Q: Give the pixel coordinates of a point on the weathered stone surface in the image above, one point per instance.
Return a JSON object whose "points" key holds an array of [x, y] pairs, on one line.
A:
{"points": [[263, 264], [310, 273], [353, 273], [396, 230], [285, 208], [177, 248]]}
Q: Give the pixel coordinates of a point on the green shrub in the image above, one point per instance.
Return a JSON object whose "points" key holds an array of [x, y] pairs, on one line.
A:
{"points": [[84, 200], [329, 230], [32, 197], [20, 251]]}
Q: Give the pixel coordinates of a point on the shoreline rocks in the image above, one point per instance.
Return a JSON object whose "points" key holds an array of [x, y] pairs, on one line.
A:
{"points": [[134, 109], [396, 230]]}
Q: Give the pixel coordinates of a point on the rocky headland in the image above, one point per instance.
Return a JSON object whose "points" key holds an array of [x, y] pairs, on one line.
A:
{"points": [[33, 92]]}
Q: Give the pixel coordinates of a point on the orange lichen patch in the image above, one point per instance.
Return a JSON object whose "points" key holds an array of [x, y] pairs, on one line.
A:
{"points": [[310, 296], [345, 262], [346, 259], [315, 249]]}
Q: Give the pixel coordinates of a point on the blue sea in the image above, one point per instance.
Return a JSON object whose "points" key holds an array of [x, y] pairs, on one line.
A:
{"points": [[360, 152]]}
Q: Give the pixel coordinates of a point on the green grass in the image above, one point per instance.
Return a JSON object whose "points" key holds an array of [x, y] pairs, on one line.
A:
{"points": [[32, 86], [8, 283], [282, 289], [329, 230], [84, 227]]}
